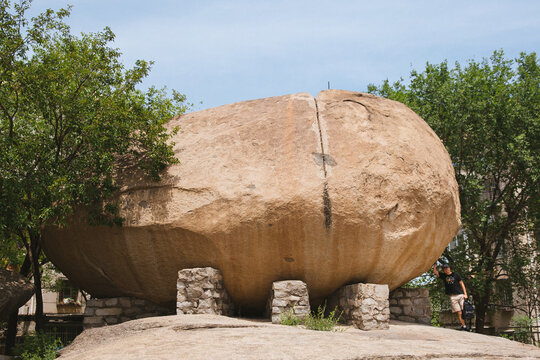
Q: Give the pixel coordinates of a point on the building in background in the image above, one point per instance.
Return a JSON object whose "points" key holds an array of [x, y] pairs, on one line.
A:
{"points": [[63, 308]]}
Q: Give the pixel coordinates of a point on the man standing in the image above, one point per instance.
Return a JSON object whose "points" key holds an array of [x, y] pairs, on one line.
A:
{"points": [[454, 287]]}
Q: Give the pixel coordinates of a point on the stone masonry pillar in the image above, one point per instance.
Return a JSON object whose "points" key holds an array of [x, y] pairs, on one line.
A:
{"points": [[411, 305], [364, 306], [201, 291], [288, 296]]}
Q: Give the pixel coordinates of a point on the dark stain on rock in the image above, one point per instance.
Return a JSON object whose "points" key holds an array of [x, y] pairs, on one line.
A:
{"points": [[209, 326], [327, 207], [392, 211], [326, 159], [323, 160]]}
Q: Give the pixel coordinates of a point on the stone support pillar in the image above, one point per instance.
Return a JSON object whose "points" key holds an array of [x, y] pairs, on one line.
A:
{"points": [[364, 306], [410, 305], [201, 291], [288, 296]]}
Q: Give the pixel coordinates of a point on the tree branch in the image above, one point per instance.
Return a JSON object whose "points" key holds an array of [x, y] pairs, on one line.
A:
{"points": [[79, 87], [6, 113]]}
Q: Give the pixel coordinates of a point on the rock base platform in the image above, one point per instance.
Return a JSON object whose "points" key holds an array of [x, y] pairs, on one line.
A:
{"points": [[219, 337]]}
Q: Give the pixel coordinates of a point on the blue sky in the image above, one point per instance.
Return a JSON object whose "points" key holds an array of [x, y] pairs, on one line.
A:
{"points": [[218, 52]]}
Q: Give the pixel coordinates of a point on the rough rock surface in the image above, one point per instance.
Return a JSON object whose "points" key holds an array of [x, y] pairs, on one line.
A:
{"points": [[344, 188], [15, 291], [216, 337]]}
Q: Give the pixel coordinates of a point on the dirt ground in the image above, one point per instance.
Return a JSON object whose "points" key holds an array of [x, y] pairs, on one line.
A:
{"points": [[218, 337]]}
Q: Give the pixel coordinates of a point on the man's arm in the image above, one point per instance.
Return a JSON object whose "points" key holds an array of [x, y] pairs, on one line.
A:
{"points": [[463, 287], [434, 268]]}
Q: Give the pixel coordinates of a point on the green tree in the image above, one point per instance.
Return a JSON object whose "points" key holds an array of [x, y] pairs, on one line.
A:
{"points": [[70, 113], [488, 116]]}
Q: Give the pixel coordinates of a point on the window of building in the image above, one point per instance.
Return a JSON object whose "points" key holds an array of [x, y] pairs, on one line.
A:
{"points": [[68, 293]]}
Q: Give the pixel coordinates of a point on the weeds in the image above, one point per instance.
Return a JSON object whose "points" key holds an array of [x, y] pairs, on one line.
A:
{"points": [[317, 320], [289, 318], [314, 321]]}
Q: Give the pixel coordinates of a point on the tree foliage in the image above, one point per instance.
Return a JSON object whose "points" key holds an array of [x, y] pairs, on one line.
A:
{"points": [[70, 113], [487, 114]]}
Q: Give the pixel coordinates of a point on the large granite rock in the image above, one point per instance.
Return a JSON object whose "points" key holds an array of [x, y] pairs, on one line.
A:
{"points": [[344, 188], [15, 291], [198, 337]]}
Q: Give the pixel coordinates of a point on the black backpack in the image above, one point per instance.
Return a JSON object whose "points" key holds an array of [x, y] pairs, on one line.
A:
{"points": [[468, 310]]}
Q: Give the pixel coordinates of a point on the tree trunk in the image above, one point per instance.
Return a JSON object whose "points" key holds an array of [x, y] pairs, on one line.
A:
{"points": [[481, 308], [11, 331], [35, 252]]}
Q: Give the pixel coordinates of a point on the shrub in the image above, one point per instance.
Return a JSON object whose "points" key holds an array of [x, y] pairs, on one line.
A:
{"points": [[523, 332], [39, 346]]}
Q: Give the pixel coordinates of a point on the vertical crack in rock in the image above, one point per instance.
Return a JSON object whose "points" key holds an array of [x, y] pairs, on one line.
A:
{"points": [[327, 204], [321, 139]]}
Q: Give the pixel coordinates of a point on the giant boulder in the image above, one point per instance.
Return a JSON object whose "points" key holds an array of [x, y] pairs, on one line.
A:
{"points": [[347, 187], [15, 291]]}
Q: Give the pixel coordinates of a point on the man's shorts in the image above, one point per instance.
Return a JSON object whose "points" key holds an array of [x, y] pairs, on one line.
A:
{"points": [[456, 302]]}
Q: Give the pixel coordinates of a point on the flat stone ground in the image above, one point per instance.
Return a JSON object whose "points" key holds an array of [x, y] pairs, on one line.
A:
{"points": [[219, 337]]}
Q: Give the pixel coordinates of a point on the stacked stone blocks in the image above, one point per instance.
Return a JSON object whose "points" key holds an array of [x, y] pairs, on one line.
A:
{"points": [[110, 311], [410, 305], [201, 291], [364, 306], [288, 297]]}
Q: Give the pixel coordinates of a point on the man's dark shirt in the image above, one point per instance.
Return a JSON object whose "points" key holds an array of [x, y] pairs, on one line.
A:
{"points": [[451, 283]]}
